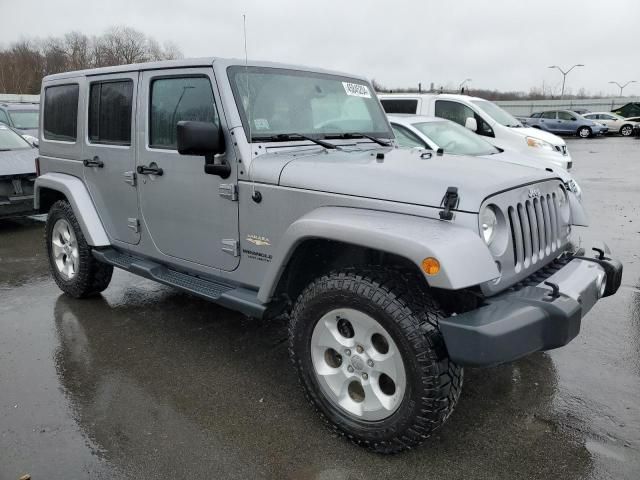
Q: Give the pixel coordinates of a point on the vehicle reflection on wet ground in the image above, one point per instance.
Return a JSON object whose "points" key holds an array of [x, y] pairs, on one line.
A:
{"points": [[148, 382]]}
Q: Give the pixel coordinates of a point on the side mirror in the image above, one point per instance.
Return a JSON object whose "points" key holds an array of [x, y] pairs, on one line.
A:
{"points": [[471, 124], [204, 139], [574, 119]]}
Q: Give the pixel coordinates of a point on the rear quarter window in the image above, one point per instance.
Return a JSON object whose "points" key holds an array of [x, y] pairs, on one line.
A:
{"points": [[61, 112], [400, 105]]}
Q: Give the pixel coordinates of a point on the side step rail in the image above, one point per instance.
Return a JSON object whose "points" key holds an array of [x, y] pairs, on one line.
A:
{"points": [[228, 295]]}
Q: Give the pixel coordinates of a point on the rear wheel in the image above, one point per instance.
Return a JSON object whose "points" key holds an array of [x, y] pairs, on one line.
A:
{"points": [[626, 130], [584, 132], [73, 267], [371, 359]]}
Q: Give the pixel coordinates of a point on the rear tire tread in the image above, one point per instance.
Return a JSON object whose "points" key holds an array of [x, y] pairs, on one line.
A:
{"points": [[92, 277]]}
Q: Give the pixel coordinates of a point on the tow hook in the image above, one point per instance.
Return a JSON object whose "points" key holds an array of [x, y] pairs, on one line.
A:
{"points": [[555, 290]]}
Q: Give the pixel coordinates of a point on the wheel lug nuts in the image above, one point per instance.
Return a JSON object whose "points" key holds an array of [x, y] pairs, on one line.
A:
{"points": [[350, 369], [359, 349], [370, 363], [347, 352], [365, 376]]}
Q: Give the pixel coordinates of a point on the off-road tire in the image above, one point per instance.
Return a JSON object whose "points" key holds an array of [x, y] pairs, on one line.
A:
{"points": [[584, 132], [92, 276], [626, 130], [397, 300]]}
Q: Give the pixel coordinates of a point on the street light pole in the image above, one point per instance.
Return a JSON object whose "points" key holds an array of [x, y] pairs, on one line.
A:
{"points": [[462, 84], [564, 75], [622, 86]]}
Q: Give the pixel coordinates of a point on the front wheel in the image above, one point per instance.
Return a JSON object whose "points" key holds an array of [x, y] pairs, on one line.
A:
{"points": [[626, 130], [584, 132], [371, 359], [73, 267]]}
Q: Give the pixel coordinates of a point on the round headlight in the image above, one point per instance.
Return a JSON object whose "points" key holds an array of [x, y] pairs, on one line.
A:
{"points": [[488, 223]]}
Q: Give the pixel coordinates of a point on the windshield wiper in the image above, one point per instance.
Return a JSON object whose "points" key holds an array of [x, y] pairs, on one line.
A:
{"points": [[283, 137], [5, 149], [359, 135]]}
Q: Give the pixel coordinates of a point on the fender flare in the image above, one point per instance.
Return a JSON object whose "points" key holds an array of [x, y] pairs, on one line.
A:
{"points": [[464, 257], [78, 196]]}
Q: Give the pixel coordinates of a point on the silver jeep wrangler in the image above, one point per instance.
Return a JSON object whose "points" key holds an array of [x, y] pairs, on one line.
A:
{"points": [[275, 189]]}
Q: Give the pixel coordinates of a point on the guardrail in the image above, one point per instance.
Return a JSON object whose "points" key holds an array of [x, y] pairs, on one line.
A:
{"points": [[527, 107], [19, 98]]}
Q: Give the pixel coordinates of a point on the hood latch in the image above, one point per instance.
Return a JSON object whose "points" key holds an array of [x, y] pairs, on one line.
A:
{"points": [[449, 202]]}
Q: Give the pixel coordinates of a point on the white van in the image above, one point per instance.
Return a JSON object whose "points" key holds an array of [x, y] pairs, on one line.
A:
{"points": [[485, 118]]}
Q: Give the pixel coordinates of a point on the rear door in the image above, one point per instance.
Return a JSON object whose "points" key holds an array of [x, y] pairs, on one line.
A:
{"points": [[567, 122], [190, 215], [109, 153]]}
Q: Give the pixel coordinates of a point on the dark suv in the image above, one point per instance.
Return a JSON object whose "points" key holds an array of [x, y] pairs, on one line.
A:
{"points": [[23, 117]]}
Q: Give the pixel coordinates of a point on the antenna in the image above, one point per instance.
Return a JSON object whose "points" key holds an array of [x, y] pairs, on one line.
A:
{"points": [[250, 139]]}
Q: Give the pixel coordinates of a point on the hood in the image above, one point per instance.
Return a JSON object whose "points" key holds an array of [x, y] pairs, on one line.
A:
{"points": [[511, 156], [540, 134], [18, 162], [403, 175]]}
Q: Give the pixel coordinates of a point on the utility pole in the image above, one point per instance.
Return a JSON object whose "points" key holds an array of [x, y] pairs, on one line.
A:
{"points": [[622, 86], [564, 75]]}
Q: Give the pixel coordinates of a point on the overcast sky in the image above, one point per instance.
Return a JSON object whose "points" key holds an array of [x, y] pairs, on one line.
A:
{"points": [[505, 45]]}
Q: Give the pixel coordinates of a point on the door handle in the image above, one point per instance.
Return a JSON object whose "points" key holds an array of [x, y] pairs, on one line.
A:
{"points": [[93, 162], [149, 170]]}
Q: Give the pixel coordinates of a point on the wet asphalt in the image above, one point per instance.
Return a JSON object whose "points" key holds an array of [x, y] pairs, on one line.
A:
{"points": [[147, 382]]}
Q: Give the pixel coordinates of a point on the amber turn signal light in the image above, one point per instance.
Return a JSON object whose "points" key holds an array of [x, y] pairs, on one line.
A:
{"points": [[430, 266]]}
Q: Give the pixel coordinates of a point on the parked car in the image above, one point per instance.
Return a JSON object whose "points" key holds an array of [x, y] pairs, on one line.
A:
{"points": [[432, 133], [565, 122], [17, 174], [614, 122], [279, 189], [485, 118], [23, 117], [580, 111]]}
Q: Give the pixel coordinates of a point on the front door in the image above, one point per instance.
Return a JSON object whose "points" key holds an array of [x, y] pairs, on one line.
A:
{"points": [[185, 211], [109, 151]]}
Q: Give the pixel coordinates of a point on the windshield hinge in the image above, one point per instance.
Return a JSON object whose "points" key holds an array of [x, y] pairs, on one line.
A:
{"points": [[228, 191], [449, 202]]}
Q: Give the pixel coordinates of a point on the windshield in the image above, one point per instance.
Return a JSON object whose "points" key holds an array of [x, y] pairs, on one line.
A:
{"points": [[498, 114], [25, 119], [275, 101], [10, 140], [455, 139]]}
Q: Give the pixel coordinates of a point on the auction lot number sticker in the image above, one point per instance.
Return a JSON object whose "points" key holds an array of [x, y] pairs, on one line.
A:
{"points": [[356, 90]]}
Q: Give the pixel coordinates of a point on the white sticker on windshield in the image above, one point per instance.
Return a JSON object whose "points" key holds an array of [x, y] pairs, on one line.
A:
{"points": [[356, 90], [261, 123]]}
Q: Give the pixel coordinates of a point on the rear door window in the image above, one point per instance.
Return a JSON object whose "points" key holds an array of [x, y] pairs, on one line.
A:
{"points": [[548, 115], [110, 105], [405, 105], [565, 116], [61, 113]]}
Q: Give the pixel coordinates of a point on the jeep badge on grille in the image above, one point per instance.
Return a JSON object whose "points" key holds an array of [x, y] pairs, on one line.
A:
{"points": [[534, 193]]}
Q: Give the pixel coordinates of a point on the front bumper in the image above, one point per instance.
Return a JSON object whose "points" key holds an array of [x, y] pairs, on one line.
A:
{"points": [[514, 324]]}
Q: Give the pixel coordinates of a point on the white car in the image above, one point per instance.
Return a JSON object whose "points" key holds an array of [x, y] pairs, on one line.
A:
{"points": [[615, 122], [438, 134], [485, 118]]}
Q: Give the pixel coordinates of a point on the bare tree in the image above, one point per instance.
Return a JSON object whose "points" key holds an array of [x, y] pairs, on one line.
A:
{"points": [[24, 63]]}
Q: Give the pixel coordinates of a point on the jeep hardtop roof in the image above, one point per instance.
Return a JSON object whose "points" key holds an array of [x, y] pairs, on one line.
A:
{"points": [[187, 63]]}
